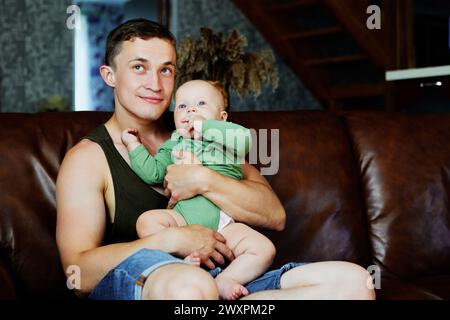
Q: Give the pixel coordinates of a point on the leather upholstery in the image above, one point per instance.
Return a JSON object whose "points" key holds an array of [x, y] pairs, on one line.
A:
{"points": [[366, 187]]}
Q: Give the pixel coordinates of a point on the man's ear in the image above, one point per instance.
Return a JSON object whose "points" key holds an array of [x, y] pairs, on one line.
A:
{"points": [[107, 74], [223, 115]]}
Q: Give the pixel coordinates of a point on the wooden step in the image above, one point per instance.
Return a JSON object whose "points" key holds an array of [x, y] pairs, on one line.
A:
{"points": [[334, 60], [313, 33], [290, 6], [357, 90]]}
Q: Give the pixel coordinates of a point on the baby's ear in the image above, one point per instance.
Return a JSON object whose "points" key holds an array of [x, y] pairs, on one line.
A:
{"points": [[223, 115]]}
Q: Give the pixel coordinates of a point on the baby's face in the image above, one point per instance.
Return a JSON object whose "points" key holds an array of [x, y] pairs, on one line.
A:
{"points": [[200, 99]]}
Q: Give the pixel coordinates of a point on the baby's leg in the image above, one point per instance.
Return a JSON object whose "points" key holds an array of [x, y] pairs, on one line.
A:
{"points": [[153, 221], [254, 254]]}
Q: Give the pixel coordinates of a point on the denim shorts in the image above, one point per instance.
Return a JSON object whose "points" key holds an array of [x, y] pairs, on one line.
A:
{"points": [[125, 282]]}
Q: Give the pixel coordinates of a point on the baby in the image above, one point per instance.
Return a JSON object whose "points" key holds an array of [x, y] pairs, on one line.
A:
{"points": [[202, 129]]}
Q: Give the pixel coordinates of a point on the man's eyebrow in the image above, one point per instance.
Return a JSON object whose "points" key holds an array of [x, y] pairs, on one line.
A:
{"points": [[138, 59], [143, 60], [169, 63]]}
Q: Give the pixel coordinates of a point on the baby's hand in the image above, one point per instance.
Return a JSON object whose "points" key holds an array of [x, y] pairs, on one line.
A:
{"points": [[185, 157], [196, 123], [185, 132], [130, 138]]}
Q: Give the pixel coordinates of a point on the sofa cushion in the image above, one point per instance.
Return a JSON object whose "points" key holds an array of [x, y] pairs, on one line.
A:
{"points": [[394, 288], [439, 285]]}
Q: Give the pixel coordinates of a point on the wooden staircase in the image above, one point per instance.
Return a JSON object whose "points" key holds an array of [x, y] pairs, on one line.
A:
{"points": [[327, 44]]}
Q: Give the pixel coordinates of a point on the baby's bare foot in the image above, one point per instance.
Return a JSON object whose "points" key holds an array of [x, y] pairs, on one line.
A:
{"points": [[230, 289], [193, 258]]}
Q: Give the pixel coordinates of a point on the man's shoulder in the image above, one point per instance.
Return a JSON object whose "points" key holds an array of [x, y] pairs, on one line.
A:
{"points": [[85, 153], [85, 166], [86, 148]]}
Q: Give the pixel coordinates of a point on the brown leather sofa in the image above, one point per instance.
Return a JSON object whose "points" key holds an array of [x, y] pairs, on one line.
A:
{"points": [[370, 188]]}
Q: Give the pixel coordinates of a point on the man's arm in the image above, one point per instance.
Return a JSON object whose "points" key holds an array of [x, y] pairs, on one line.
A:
{"points": [[81, 220], [250, 200]]}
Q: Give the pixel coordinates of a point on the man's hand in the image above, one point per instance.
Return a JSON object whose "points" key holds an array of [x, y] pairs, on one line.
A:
{"points": [[208, 243], [184, 181], [130, 138]]}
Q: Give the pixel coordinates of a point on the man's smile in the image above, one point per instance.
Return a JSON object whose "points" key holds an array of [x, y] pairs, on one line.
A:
{"points": [[151, 99]]}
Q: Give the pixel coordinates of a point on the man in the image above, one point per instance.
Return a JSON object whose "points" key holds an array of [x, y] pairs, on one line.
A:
{"points": [[96, 211]]}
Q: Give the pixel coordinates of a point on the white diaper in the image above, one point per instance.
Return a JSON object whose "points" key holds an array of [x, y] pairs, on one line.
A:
{"points": [[225, 220]]}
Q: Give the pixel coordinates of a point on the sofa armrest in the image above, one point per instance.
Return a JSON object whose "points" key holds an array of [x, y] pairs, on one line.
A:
{"points": [[7, 288]]}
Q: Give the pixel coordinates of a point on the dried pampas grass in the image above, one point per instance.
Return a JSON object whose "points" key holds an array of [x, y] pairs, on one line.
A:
{"points": [[223, 58]]}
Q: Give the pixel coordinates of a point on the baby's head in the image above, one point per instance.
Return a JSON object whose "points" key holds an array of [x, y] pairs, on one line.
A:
{"points": [[207, 100]]}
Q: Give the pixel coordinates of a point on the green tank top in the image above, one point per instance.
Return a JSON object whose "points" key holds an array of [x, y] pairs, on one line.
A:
{"points": [[132, 195]]}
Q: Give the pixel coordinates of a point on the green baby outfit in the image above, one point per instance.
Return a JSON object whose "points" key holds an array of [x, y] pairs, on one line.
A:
{"points": [[222, 148]]}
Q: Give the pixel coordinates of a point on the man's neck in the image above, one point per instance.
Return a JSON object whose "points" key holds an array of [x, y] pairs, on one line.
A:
{"points": [[151, 132]]}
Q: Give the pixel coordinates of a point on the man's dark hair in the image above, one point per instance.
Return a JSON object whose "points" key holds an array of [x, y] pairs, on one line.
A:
{"points": [[136, 28]]}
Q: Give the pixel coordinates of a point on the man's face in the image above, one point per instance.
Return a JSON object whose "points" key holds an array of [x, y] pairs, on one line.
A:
{"points": [[144, 77]]}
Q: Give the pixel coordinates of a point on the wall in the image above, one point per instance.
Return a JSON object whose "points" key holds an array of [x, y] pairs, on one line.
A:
{"points": [[223, 16], [36, 57], [35, 53], [101, 17]]}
